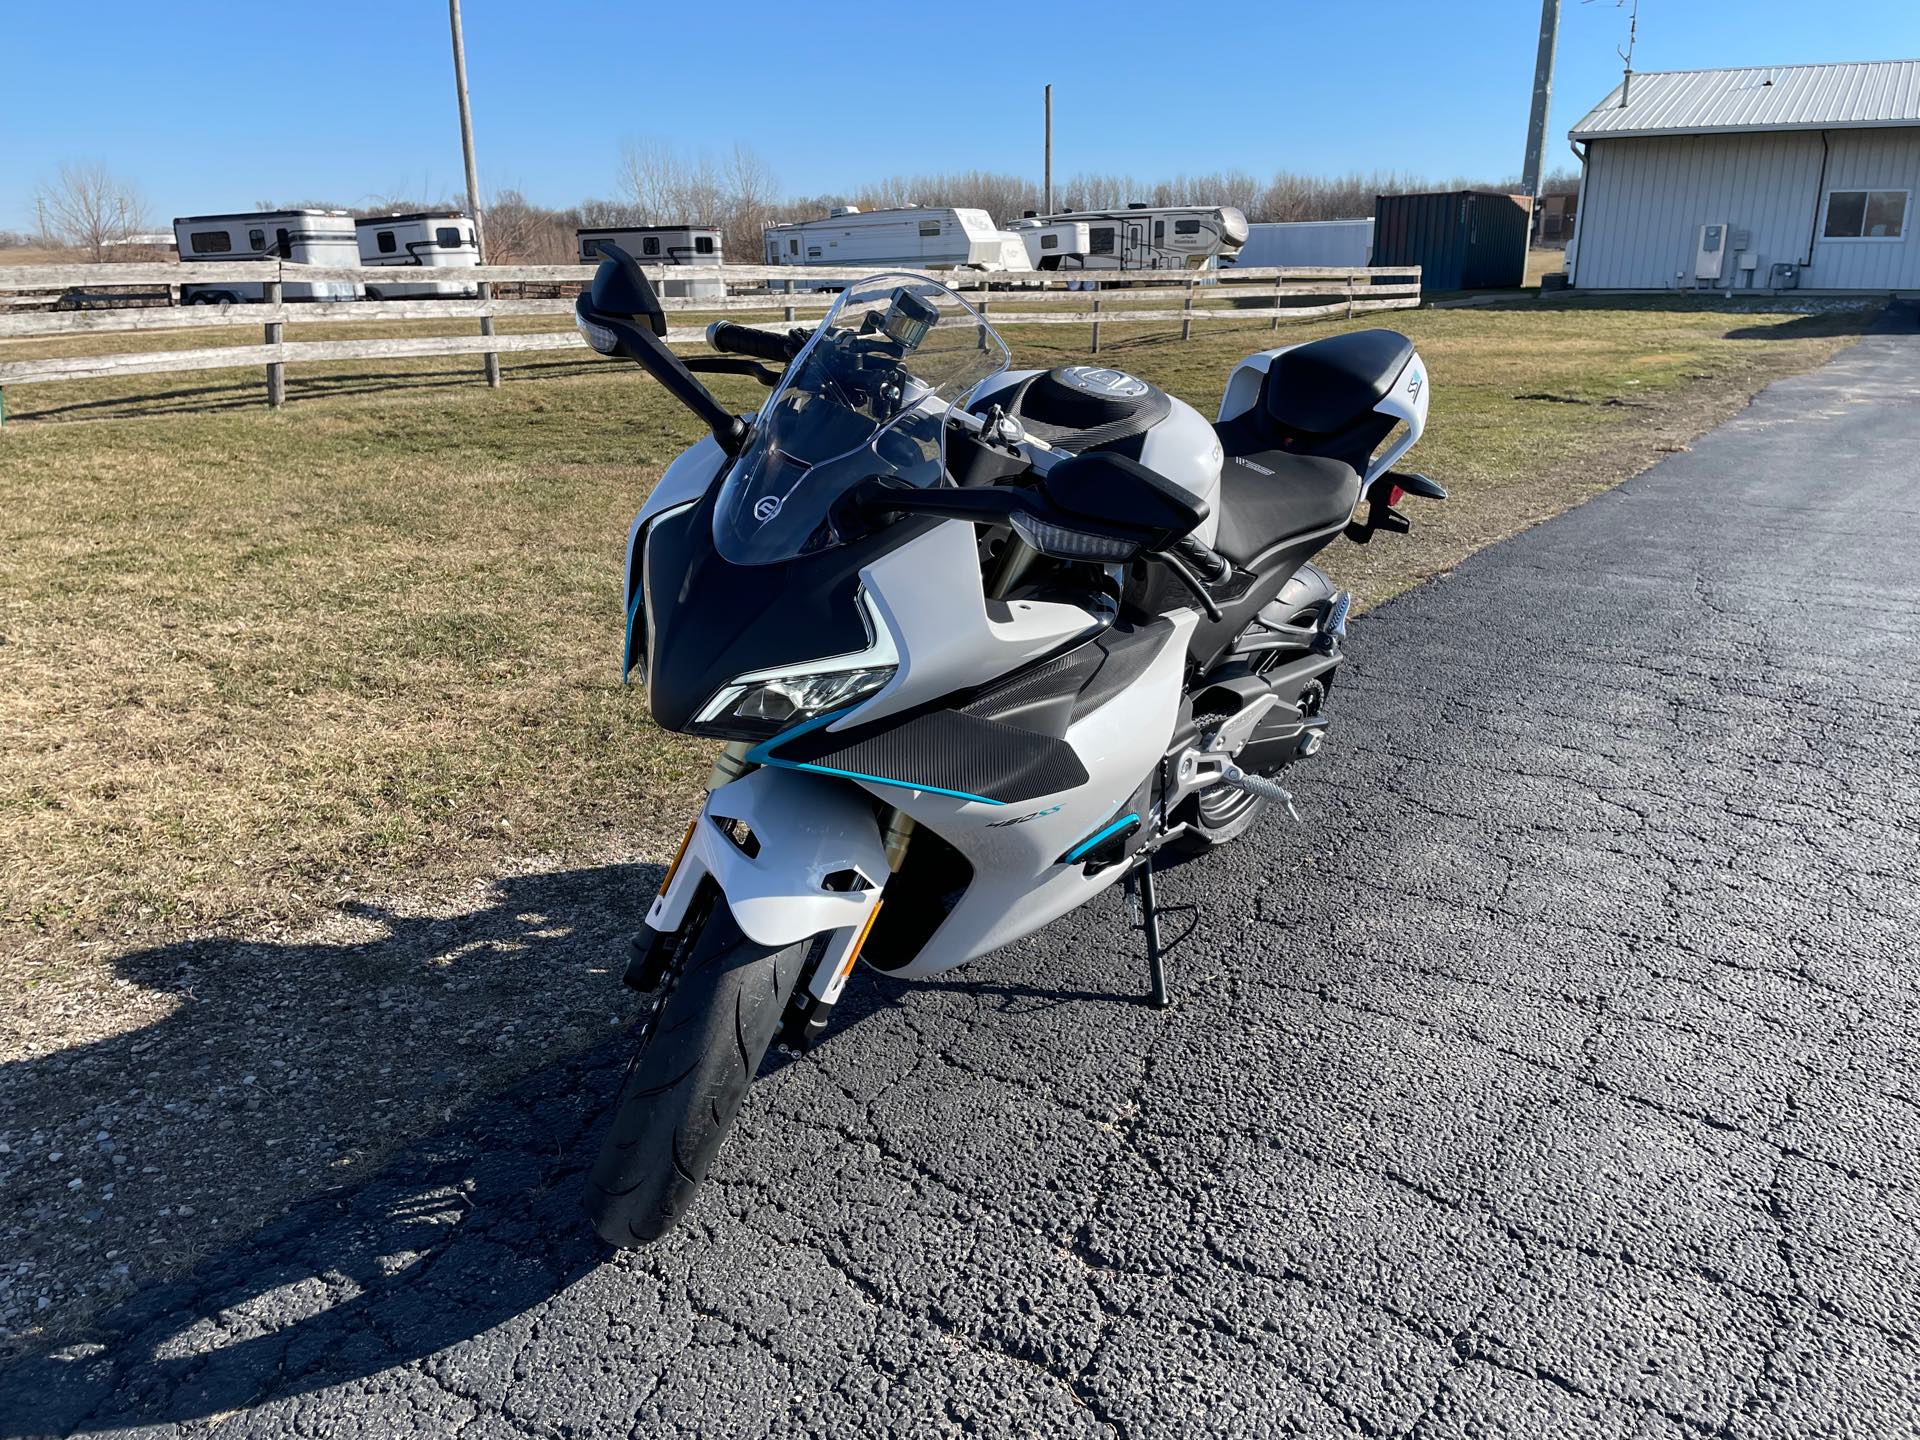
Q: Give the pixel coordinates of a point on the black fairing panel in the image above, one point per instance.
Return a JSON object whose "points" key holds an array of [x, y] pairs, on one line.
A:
{"points": [[710, 620]]}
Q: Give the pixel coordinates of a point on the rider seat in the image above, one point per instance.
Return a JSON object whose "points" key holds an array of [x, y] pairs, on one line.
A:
{"points": [[1295, 457]]}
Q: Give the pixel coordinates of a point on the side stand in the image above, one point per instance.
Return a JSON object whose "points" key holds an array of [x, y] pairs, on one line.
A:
{"points": [[1145, 909]]}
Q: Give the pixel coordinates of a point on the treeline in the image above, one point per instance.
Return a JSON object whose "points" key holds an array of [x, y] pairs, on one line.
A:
{"points": [[738, 194]]}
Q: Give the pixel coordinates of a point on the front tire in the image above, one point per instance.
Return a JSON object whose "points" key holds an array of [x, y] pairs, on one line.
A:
{"points": [[722, 1000]]}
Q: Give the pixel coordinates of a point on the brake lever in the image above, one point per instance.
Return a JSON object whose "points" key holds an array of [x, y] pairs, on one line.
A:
{"points": [[733, 365]]}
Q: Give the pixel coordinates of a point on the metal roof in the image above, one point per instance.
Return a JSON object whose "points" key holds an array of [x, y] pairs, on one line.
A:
{"points": [[1760, 97]]}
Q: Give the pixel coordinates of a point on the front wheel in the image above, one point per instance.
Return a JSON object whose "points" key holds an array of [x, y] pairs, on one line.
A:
{"points": [[722, 999]]}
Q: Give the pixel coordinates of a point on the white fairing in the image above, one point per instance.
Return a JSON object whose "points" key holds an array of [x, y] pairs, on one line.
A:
{"points": [[1406, 401], [693, 470], [947, 633], [1018, 884], [808, 829]]}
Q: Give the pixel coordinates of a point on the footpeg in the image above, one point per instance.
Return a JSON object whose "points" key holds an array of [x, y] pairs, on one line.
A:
{"points": [[1237, 779]]}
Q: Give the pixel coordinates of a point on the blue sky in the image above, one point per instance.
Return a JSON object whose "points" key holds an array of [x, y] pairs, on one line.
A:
{"points": [[215, 107]]}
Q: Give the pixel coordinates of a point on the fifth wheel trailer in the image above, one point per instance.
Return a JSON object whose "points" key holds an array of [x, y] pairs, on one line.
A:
{"points": [[1140, 237], [309, 237]]}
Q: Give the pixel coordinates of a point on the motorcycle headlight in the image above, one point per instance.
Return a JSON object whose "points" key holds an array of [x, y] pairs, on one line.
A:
{"points": [[761, 704]]}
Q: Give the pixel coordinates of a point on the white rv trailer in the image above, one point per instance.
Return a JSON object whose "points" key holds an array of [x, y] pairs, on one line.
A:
{"points": [[661, 245], [1306, 242], [1140, 237], [920, 237], [428, 239], [310, 237]]}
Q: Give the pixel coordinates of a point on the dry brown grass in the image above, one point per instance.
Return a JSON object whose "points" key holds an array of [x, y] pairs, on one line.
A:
{"points": [[256, 662]]}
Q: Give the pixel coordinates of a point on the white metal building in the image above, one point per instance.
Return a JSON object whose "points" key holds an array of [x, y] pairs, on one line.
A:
{"points": [[1774, 177]]}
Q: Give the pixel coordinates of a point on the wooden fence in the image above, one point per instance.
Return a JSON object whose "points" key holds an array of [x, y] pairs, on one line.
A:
{"points": [[1017, 298]]}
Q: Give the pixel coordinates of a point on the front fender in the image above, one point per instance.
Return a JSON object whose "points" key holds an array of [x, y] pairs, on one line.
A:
{"points": [[807, 830]]}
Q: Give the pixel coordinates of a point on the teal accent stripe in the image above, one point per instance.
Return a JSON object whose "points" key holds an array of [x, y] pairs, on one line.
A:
{"points": [[883, 780], [626, 655], [760, 755], [1094, 839]]}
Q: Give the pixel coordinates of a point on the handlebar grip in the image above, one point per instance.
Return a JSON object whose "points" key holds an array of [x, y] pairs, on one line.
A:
{"points": [[745, 340], [1212, 565]]}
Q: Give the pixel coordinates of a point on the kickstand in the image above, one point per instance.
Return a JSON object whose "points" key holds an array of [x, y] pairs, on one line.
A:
{"points": [[1146, 916]]}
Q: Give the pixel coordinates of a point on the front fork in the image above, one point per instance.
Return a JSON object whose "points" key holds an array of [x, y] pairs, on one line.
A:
{"points": [[812, 1003]]}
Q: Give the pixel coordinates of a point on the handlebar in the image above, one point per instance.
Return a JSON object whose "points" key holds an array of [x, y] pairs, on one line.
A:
{"points": [[768, 345], [1211, 565]]}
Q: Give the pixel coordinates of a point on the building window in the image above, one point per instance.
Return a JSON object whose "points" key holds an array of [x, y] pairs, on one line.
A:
{"points": [[1159, 232], [256, 239], [384, 242], [929, 227], [650, 245], [1100, 240], [211, 242], [448, 236], [703, 244], [1049, 242], [1866, 215], [793, 247], [285, 244]]}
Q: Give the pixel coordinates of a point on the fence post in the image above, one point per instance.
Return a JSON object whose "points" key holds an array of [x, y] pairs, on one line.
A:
{"points": [[486, 328], [276, 372], [1096, 322], [1186, 317], [984, 303], [1279, 288], [788, 287], [1349, 294]]}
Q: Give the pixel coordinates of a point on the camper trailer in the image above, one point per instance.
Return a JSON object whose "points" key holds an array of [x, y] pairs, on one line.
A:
{"points": [[661, 245], [1140, 237], [1305, 242], [433, 239], [919, 237], [308, 237]]}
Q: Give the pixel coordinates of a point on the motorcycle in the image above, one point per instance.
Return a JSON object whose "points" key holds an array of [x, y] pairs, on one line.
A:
{"points": [[980, 643]]}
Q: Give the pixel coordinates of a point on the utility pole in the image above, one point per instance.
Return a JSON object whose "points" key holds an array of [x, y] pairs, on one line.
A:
{"points": [[473, 179], [1542, 97], [1048, 186]]}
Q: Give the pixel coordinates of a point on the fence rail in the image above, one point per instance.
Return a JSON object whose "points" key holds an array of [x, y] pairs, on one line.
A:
{"points": [[1007, 298]]}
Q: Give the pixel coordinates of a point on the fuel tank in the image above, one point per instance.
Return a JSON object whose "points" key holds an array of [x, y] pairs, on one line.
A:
{"points": [[1081, 408]]}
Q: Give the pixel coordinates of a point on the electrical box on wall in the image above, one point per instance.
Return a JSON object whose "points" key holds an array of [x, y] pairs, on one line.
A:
{"points": [[1710, 261]]}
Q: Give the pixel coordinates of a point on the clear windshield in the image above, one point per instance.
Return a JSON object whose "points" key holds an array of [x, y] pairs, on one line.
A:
{"points": [[867, 396]]}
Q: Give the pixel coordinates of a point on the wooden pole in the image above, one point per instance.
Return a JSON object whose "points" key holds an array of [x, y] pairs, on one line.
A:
{"points": [[1047, 183], [276, 372], [1279, 287], [1186, 319], [473, 178], [1096, 322]]}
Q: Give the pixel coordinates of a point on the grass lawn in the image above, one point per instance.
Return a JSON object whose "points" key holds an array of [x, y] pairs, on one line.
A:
{"points": [[257, 661], [321, 807]]}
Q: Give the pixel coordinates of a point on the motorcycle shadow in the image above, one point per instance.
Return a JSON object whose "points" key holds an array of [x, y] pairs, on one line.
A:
{"points": [[277, 1068]]}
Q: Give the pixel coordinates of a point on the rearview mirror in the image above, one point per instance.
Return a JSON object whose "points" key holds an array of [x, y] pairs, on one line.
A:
{"points": [[621, 287], [1124, 496]]}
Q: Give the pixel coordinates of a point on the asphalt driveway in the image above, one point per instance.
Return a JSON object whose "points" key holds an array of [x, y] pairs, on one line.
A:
{"points": [[1556, 1077]]}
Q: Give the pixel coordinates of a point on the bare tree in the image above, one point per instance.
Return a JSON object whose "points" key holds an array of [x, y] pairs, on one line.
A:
{"points": [[90, 208]]}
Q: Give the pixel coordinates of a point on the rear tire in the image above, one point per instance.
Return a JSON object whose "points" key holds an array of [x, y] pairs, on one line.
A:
{"points": [[723, 997]]}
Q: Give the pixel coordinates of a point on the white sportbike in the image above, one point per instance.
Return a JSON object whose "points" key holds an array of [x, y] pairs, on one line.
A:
{"points": [[980, 644]]}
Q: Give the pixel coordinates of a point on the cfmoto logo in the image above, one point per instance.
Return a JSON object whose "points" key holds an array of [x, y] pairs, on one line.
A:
{"points": [[1414, 384], [766, 507]]}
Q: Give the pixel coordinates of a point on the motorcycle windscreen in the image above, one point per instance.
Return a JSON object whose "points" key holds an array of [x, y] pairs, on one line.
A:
{"points": [[867, 396]]}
